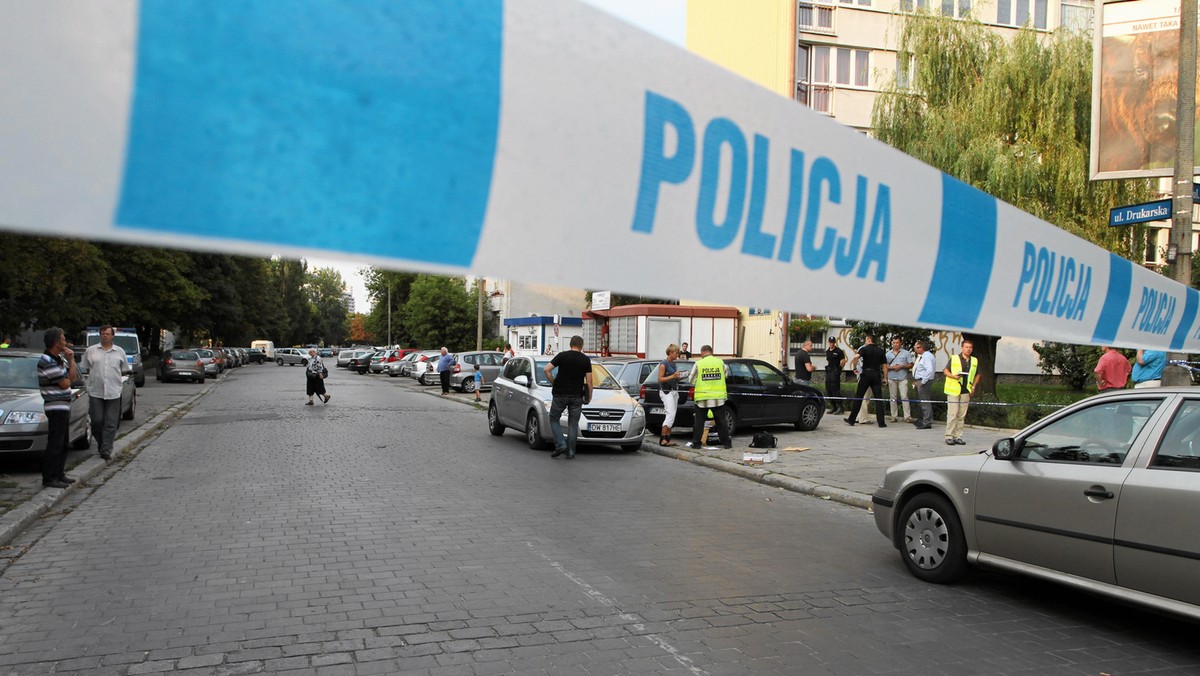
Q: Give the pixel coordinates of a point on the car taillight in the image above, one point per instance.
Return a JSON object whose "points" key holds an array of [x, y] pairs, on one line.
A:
{"points": [[199, 364], [642, 392], [167, 362], [692, 393], [457, 368]]}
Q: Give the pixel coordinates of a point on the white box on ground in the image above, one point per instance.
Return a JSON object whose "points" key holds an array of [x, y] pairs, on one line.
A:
{"points": [[770, 455]]}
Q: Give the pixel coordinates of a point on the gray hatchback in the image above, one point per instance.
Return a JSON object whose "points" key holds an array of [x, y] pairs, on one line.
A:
{"points": [[1101, 496]]}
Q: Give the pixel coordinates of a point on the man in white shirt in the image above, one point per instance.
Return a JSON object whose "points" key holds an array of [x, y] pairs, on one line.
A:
{"points": [[104, 363], [923, 373]]}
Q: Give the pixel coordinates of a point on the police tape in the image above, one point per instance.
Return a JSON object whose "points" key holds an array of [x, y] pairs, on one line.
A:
{"points": [[882, 400], [508, 138]]}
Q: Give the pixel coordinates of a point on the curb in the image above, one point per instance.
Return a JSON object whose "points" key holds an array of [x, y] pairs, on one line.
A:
{"points": [[763, 476], [17, 519]]}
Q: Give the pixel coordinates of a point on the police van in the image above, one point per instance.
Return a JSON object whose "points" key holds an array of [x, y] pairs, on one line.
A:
{"points": [[126, 339]]}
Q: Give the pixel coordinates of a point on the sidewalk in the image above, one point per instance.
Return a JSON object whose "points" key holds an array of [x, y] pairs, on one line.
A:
{"points": [[840, 462]]}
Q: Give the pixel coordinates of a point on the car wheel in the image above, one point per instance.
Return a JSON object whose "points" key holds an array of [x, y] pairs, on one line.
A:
{"points": [[140, 382], [422, 379], [533, 432], [304, 362], [810, 416], [468, 385], [730, 416], [279, 361], [933, 546], [85, 441], [128, 415], [494, 425]]}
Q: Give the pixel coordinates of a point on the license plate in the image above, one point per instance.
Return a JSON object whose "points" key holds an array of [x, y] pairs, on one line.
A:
{"points": [[604, 427], [658, 411], [186, 373]]}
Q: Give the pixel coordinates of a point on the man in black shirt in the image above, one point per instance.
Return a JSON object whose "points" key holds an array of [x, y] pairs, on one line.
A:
{"points": [[804, 365], [872, 358], [835, 360], [572, 384]]}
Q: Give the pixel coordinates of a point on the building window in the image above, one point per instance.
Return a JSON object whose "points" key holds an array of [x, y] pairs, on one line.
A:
{"points": [[1076, 17], [908, 5], [1021, 12], [853, 67], [862, 3], [814, 76], [814, 17]]}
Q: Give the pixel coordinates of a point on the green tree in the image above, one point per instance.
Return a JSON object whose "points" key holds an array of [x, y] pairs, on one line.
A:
{"points": [[1073, 362], [1012, 118], [48, 281], [441, 311], [884, 333], [384, 286], [325, 286], [288, 278]]}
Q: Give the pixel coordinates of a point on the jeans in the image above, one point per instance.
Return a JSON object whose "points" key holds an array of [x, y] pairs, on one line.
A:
{"points": [[54, 459], [956, 414], [925, 393], [898, 389], [106, 417], [573, 406]]}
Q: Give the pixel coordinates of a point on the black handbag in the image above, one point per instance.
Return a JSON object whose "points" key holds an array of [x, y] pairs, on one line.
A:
{"points": [[324, 373]]}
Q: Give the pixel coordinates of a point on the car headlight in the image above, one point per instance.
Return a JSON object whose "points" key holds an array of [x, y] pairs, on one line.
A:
{"points": [[638, 411], [25, 418], [547, 405]]}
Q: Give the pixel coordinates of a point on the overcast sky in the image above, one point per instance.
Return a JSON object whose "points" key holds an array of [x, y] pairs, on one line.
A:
{"points": [[664, 18]]}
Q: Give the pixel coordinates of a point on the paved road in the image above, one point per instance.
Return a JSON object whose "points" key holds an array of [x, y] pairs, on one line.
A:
{"points": [[389, 533]]}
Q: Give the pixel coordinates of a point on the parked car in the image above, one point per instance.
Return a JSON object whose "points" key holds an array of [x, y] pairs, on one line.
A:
{"points": [[360, 361], [23, 424], [292, 356], [521, 398], [343, 357], [255, 356], [180, 365], [426, 371], [419, 365], [463, 376], [631, 373], [381, 359], [759, 394], [212, 367], [1100, 496], [232, 359], [326, 353], [399, 367]]}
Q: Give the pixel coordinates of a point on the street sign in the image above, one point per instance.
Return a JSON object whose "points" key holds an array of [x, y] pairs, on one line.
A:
{"points": [[1158, 210]]}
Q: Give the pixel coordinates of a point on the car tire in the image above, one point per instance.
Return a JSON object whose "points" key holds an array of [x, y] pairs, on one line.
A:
{"points": [[468, 385], [422, 379], [494, 425], [304, 362], [731, 420], [85, 441], [810, 416], [932, 544], [533, 432], [279, 361], [128, 415]]}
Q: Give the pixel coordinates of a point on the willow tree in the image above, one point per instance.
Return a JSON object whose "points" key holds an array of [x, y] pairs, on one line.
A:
{"points": [[1011, 117]]}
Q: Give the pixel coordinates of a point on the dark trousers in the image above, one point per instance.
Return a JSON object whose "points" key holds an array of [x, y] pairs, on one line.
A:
{"points": [[699, 415], [445, 376], [315, 384], [869, 380], [54, 459], [925, 393], [106, 417], [833, 388]]}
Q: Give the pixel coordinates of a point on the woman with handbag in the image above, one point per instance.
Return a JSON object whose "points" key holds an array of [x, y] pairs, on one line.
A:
{"points": [[315, 374]]}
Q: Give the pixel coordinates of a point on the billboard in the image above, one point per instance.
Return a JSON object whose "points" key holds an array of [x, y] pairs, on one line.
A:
{"points": [[1134, 89]]}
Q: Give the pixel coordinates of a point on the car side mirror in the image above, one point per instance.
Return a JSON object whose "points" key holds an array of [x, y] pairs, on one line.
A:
{"points": [[522, 380], [1004, 449]]}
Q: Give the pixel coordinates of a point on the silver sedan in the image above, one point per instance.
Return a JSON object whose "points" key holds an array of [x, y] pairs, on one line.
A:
{"points": [[1103, 496]]}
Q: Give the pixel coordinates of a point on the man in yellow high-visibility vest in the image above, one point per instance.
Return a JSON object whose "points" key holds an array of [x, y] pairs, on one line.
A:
{"points": [[959, 386], [708, 376]]}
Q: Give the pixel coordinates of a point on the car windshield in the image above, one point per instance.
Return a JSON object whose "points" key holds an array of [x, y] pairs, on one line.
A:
{"points": [[123, 340], [18, 373], [184, 355], [205, 354], [601, 378]]}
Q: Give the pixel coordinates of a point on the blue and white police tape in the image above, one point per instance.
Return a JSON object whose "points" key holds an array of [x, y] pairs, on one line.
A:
{"points": [[510, 138]]}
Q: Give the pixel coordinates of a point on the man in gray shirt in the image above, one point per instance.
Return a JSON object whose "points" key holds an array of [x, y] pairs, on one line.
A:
{"points": [[899, 364], [105, 363]]}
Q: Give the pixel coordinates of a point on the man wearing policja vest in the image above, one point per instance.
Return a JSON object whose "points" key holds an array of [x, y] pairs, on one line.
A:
{"points": [[959, 386], [708, 377]]}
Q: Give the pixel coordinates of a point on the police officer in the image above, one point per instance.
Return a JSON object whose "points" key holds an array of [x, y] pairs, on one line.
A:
{"points": [[960, 384], [708, 376], [835, 361]]}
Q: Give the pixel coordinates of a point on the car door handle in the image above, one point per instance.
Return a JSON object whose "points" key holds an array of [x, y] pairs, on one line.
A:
{"points": [[1098, 492]]}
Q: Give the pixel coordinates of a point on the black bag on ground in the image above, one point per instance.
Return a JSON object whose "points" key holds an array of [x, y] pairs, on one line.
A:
{"points": [[763, 440]]}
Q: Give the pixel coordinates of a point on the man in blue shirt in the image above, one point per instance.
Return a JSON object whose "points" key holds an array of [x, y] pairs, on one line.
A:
{"points": [[1147, 370], [445, 366]]}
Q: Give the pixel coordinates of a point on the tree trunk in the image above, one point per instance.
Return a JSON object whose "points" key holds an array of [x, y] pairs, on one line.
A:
{"points": [[985, 352]]}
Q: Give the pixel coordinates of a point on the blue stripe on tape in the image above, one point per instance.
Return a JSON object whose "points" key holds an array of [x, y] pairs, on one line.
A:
{"points": [[966, 252], [1120, 280], [1185, 322], [364, 127]]}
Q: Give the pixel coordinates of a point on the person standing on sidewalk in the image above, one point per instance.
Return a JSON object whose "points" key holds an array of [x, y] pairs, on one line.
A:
{"points": [[960, 384], [104, 363], [835, 361], [668, 387], [872, 358], [708, 376], [1112, 370], [571, 387], [804, 365], [923, 373], [478, 378], [1148, 368], [56, 371], [314, 376], [899, 365], [445, 366]]}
